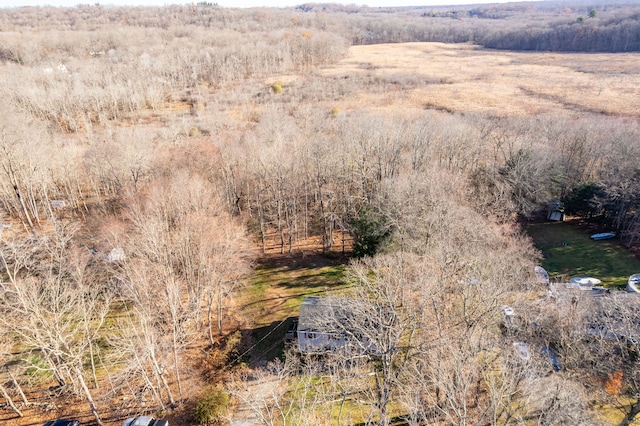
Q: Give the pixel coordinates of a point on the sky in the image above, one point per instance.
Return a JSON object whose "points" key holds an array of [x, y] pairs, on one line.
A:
{"points": [[239, 3]]}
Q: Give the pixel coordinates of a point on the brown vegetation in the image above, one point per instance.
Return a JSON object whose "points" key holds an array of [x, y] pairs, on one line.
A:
{"points": [[150, 155]]}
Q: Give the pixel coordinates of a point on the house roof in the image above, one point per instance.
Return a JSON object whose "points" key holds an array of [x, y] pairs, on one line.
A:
{"points": [[323, 313]]}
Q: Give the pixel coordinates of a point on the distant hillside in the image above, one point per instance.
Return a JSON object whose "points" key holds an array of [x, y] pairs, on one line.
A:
{"points": [[571, 26], [540, 26]]}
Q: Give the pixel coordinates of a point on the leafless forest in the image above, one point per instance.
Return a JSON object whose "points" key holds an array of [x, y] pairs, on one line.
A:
{"points": [[151, 155]]}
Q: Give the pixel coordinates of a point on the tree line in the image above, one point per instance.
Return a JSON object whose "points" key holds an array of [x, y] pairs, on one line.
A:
{"points": [[537, 26]]}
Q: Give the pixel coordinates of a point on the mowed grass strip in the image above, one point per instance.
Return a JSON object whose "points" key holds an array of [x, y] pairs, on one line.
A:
{"points": [[568, 251]]}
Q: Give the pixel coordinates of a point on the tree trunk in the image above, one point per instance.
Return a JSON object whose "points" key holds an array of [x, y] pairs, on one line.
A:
{"points": [[87, 393], [631, 415], [383, 399], [93, 365], [220, 312], [17, 385], [176, 366], [24, 209], [209, 321], [159, 374], [155, 390], [6, 396]]}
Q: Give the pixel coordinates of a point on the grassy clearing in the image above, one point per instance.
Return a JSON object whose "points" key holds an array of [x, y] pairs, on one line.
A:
{"points": [[568, 252], [277, 290]]}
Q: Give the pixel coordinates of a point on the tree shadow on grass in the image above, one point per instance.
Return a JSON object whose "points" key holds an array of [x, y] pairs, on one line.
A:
{"points": [[264, 344], [281, 300]]}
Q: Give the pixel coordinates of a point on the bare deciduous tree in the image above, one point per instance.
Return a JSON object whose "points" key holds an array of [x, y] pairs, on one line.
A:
{"points": [[49, 302]]}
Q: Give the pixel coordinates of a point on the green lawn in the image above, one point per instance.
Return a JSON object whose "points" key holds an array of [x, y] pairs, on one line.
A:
{"points": [[568, 252]]}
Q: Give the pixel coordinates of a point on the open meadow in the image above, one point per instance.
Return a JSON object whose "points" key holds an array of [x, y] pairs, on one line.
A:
{"points": [[465, 78]]}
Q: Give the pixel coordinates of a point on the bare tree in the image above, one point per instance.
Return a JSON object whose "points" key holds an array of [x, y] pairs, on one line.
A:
{"points": [[5, 350], [50, 305], [185, 256], [300, 391]]}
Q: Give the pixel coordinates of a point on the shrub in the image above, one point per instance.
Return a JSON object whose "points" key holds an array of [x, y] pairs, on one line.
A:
{"points": [[585, 200], [276, 88], [370, 230], [211, 406]]}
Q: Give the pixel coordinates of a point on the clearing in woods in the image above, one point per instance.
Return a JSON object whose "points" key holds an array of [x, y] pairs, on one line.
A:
{"points": [[568, 252]]}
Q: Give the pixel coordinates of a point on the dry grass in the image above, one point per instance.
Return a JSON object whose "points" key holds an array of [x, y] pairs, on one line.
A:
{"points": [[466, 78]]}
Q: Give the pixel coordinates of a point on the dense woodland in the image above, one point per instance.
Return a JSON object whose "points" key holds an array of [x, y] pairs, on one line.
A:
{"points": [[540, 26], [146, 165]]}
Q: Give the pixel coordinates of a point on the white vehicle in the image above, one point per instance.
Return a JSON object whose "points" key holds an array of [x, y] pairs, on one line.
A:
{"points": [[145, 421], [634, 283], [541, 275], [585, 281]]}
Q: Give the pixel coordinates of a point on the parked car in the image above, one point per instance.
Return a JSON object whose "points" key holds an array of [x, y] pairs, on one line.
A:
{"points": [[62, 422], [145, 421]]}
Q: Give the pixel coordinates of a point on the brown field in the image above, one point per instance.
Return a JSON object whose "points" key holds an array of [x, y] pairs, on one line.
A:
{"points": [[467, 78]]}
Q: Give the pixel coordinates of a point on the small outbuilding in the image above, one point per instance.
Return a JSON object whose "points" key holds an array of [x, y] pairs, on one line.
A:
{"points": [[555, 211]]}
